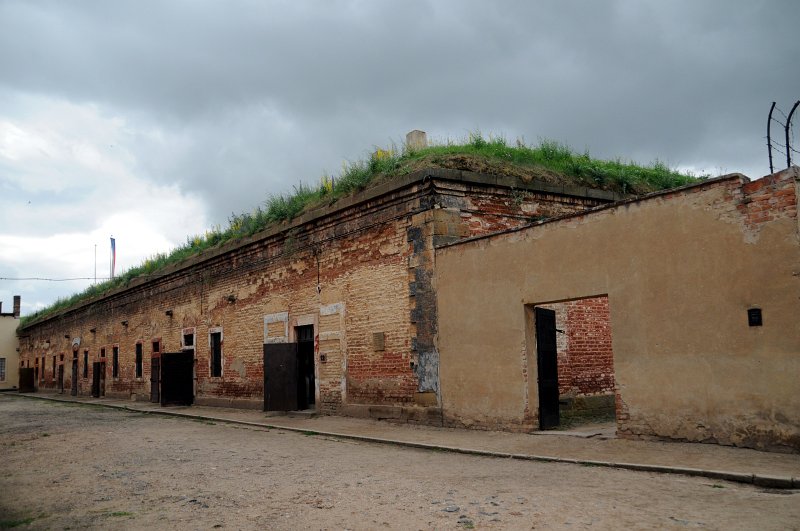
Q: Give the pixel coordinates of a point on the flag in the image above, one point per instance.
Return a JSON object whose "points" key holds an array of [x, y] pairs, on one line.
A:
{"points": [[113, 256]]}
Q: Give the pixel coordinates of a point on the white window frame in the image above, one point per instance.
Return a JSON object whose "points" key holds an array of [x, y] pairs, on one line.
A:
{"points": [[192, 331]]}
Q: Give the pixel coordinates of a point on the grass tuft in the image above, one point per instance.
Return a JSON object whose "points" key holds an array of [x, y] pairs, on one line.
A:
{"points": [[548, 155], [10, 524]]}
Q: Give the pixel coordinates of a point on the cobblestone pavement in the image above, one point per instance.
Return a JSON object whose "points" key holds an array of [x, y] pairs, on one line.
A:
{"points": [[72, 466]]}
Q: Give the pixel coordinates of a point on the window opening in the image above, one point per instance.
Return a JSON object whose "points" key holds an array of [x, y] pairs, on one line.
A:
{"points": [[85, 363], [216, 354], [187, 342], [138, 360], [115, 362]]}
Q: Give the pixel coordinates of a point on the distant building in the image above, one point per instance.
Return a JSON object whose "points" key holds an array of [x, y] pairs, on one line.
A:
{"points": [[9, 347]]}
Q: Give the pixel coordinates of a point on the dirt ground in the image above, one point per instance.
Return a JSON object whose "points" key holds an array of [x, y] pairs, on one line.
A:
{"points": [[68, 466]]}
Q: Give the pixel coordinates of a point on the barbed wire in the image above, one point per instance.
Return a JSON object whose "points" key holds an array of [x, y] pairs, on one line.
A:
{"points": [[779, 151], [788, 134]]}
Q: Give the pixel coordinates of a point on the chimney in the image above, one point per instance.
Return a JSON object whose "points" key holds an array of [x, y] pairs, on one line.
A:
{"points": [[416, 139], [16, 306]]}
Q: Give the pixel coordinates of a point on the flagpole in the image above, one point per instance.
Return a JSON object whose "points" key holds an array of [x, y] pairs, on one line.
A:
{"points": [[113, 261]]}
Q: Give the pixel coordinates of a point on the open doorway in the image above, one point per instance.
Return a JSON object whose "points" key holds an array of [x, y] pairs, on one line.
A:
{"points": [[305, 367], [74, 381], [575, 363], [99, 379], [177, 378]]}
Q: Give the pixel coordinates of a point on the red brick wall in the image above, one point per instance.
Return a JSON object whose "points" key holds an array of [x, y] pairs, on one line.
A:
{"points": [[585, 356], [767, 198], [589, 360]]}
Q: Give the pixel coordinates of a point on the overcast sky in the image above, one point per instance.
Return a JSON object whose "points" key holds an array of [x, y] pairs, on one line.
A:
{"points": [[154, 120]]}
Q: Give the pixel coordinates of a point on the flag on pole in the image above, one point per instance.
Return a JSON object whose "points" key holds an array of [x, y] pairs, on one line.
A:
{"points": [[113, 256]]}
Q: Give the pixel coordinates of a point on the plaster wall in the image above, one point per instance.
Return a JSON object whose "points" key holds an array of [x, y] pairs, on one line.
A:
{"points": [[8, 350], [680, 269]]}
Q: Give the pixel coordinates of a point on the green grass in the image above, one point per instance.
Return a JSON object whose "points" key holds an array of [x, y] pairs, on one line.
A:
{"points": [[9, 524], [548, 156], [17, 522]]}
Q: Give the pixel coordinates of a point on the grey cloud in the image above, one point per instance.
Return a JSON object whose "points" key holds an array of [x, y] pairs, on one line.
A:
{"points": [[257, 95]]}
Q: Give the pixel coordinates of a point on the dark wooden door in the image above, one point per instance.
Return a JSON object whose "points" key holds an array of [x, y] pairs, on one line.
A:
{"points": [[280, 377], [547, 363], [74, 391], [26, 380], [61, 378], [177, 378], [155, 379], [102, 385], [96, 379]]}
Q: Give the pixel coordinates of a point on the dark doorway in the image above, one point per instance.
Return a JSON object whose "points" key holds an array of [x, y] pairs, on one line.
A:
{"points": [[26, 380], [177, 378], [305, 366], [96, 379], [280, 376], [74, 390], [547, 363], [155, 379], [61, 378]]}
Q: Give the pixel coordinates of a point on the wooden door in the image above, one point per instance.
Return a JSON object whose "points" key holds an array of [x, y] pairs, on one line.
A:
{"points": [[280, 377], [155, 379]]}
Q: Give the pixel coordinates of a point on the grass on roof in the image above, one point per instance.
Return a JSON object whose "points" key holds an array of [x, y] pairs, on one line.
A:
{"points": [[549, 161]]}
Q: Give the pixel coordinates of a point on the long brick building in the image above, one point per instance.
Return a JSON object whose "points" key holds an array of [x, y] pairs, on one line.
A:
{"points": [[454, 298], [340, 303]]}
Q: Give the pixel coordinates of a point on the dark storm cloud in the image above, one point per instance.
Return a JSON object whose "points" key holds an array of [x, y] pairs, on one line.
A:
{"points": [[247, 97]]}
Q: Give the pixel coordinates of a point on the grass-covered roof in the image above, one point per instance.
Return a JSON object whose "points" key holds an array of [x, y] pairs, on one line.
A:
{"points": [[548, 161]]}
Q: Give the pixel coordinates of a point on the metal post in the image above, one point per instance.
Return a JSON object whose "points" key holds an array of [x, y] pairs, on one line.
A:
{"points": [[786, 128], [769, 138]]}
